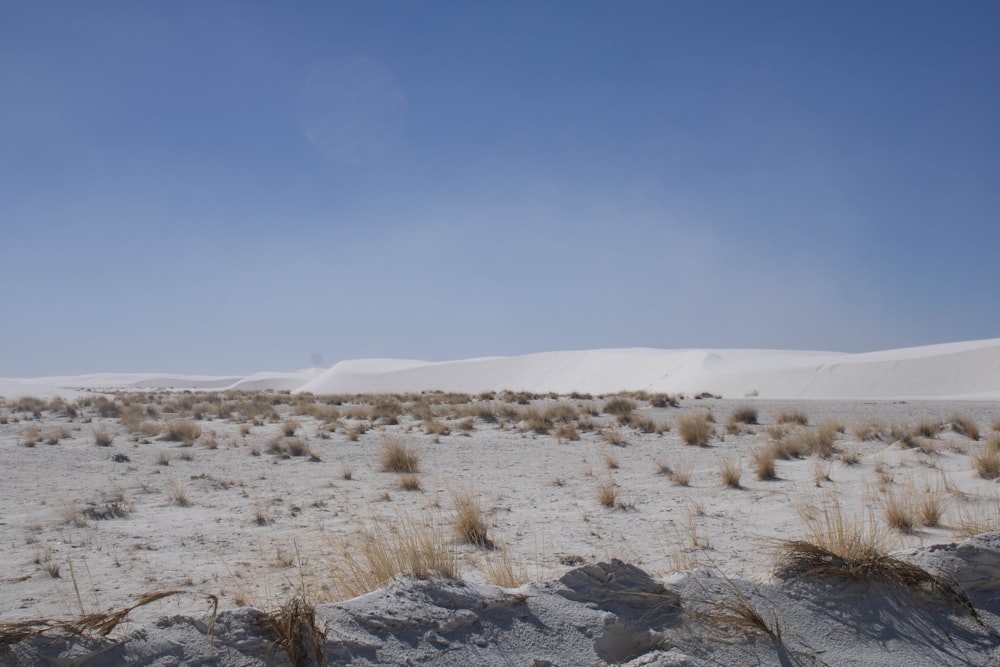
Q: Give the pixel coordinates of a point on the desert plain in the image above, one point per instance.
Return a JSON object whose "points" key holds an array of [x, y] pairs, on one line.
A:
{"points": [[497, 516]]}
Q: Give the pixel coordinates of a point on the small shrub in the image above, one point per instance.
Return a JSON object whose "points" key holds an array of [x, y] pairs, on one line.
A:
{"points": [[289, 427]]}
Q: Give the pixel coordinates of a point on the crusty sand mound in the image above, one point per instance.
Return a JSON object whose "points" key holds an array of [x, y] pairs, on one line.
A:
{"points": [[607, 613]]}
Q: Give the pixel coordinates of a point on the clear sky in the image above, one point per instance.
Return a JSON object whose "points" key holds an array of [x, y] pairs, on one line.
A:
{"points": [[226, 187]]}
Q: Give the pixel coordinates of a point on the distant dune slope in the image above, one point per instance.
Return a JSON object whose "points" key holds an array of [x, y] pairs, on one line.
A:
{"points": [[951, 370], [956, 370]]}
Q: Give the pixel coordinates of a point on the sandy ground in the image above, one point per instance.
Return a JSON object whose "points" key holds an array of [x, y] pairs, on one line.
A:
{"points": [[251, 526]]}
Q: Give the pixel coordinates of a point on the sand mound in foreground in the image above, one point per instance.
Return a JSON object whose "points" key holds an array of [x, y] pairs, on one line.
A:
{"points": [[607, 613]]}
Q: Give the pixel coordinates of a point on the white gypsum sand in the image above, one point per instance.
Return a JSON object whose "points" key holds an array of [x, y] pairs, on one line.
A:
{"points": [[249, 513]]}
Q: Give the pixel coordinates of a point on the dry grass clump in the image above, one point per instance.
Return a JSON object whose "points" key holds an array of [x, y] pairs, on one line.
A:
{"points": [[619, 407], [736, 612], [567, 432], [182, 430], [469, 523], [91, 623], [964, 425], [613, 436], [695, 428], [982, 516], [53, 436], [986, 460], [387, 412], [762, 459], [664, 400], [927, 428], [792, 417], [434, 427], [799, 443], [289, 427], [103, 437], [298, 635], [607, 491], [533, 420], [409, 482], [396, 456], [848, 548], [384, 550], [930, 505], [30, 435], [868, 430], [560, 413], [500, 569], [900, 511], [995, 424], [730, 471], [681, 476], [743, 414]]}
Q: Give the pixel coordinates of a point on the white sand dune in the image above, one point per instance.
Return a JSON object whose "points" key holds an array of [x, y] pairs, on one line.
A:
{"points": [[964, 370], [952, 370], [73, 385]]}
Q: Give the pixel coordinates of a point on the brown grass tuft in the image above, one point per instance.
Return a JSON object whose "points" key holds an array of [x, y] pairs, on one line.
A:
{"points": [[294, 625], [964, 425], [695, 428], [384, 550], [182, 430], [468, 521], [792, 417], [607, 491], [730, 471], [762, 459], [396, 456]]}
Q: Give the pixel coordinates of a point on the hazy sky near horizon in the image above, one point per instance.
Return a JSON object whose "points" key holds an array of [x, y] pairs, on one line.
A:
{"points": [[228, 186]]}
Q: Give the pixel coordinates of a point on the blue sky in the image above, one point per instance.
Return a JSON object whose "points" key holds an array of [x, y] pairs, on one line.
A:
{"points": [[225, 187]]}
